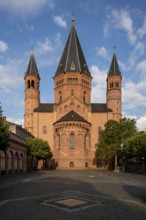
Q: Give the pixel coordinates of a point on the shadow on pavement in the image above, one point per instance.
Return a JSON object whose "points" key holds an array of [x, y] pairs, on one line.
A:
{"points": [[26, 199]]}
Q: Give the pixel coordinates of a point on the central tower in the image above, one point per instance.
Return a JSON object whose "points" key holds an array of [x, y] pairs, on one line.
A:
{"points": [[72, 75], [72, 102]]}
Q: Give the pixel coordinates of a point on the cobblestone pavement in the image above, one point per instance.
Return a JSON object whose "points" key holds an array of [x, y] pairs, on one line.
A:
{"points": [[72, 195]]}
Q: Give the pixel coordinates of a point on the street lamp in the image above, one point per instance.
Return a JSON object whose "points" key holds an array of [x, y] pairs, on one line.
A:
{"points": [[122, 158]]}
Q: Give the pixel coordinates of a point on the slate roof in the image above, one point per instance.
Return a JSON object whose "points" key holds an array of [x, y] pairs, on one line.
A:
{"points": [[72, 59], [95, 107], [99, 107], [72, 116], [114, 68], [32, 67], [44, 107]]}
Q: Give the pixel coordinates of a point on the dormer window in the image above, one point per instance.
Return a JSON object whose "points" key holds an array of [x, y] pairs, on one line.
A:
{"points": [[72, 66]]}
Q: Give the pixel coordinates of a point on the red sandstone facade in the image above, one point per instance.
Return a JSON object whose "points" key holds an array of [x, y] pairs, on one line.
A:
{"points": [[71, 124]]}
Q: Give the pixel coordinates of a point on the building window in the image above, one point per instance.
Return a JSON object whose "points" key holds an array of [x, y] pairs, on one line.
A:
{"points": [[60, 96], [32, 84], [28, 84], [72, 66], [72, 141], [85, 137], [84, 97], [71, 164], [116, 84], [86, 164], [58, 141], [111, 84], [44, 129]]}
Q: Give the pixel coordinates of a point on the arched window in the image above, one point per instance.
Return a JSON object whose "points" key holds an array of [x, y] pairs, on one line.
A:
{"points": [[58, 141], [84, 97], [71, 164], [86, 164], [72, 141], [85, 137], [32, 84], [116, 84], [111, 84], [28, 84], [60, 96]]}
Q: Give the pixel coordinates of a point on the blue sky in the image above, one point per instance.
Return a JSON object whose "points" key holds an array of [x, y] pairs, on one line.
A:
{"points": [[45, 24]]}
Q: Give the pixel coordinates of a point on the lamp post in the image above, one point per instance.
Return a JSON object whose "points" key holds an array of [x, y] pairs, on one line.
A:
{"points": [[122, 158]]}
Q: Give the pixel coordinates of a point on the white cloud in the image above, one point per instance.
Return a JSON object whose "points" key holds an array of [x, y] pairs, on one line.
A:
{"points": [[142, 31], [141, 67], [60, 21], [45, 47], [3, 46], [10, 76], [25, 7], [141, 123], [102, 52], [133, 96], [120, 19], [49, 45], [98, 84], [48, 48], [18, 121], [135, 54], [29, 28]]}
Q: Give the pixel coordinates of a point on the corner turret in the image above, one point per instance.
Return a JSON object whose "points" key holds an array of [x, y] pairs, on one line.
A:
{"points": [[32, 93], [114, 81]]}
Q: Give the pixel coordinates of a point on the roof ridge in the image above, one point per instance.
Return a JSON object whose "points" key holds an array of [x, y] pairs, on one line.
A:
{"points": [[72, 116]]}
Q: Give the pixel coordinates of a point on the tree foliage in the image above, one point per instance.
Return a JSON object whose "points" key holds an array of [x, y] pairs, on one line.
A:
{"points": [[38, 148], [113, 137], [109, 140], [4, 132], [136, 145], [127, 128]]}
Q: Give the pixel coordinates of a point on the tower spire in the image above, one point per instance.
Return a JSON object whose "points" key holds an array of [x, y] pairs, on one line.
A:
{"points": [[72, 59], [114, 68], [32, 67]]}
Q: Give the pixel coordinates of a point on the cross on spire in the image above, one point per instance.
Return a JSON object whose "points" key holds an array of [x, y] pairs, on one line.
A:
{"points": [[73, 19], [114, 47]]}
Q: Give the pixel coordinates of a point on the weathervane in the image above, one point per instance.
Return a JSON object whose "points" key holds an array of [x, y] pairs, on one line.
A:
{"points": [[32, 49], [73, 18], [114, 47]]}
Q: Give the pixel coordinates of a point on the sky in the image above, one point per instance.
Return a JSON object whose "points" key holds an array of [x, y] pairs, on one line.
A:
{"points": [[44, 25]]}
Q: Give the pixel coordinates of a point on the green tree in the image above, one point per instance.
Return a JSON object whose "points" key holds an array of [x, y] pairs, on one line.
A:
{"points": [[4, 132], [135, 146], [109, 143], [38, 148], [113, 136], [128, 128]]}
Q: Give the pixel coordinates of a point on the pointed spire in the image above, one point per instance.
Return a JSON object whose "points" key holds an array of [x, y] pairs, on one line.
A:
{"points": [[72, 59], [114, 68], [32, 67]]}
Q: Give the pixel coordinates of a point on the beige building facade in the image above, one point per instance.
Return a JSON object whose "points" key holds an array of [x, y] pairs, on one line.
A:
{"points": [[72, 123]]}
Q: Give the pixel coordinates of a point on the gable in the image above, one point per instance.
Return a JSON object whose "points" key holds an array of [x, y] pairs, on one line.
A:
{"points": [[72, 116]]}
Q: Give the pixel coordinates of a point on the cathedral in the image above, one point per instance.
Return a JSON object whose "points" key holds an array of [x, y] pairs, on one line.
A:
{"points": [[71, 124]]}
